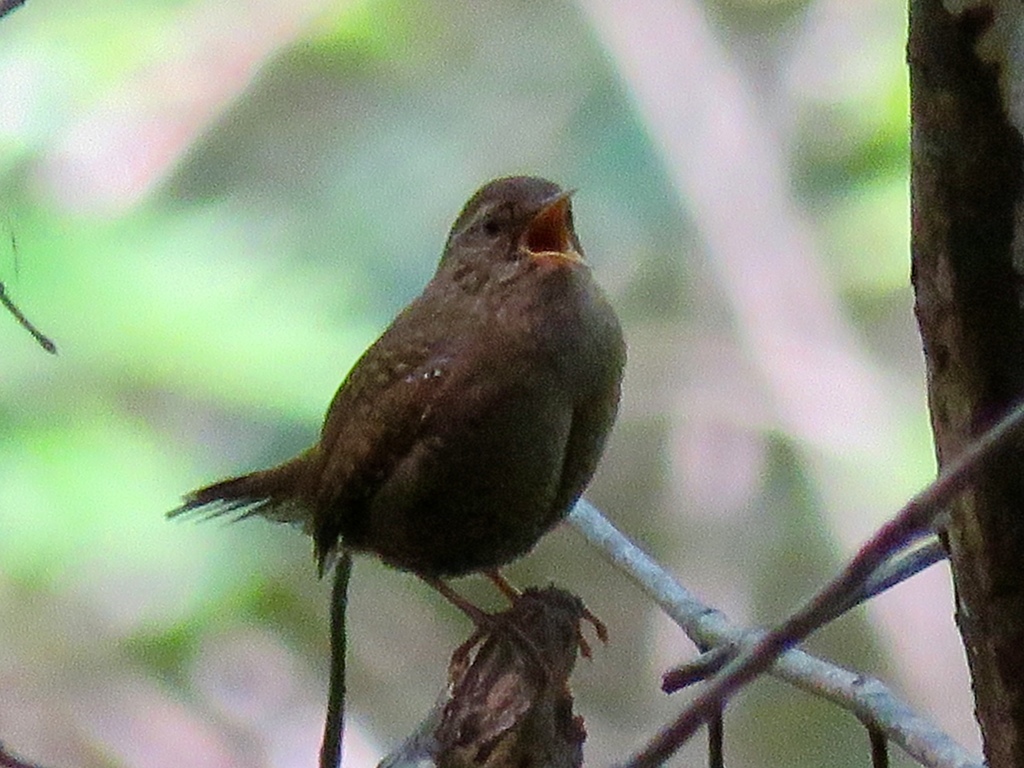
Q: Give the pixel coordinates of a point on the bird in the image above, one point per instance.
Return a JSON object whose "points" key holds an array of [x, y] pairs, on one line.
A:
{"points": [[472, 425]]}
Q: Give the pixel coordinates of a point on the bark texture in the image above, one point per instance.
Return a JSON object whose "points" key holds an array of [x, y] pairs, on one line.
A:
{"points": [[966, 172]]}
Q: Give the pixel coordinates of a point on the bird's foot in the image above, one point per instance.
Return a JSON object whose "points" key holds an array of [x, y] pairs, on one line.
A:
{"points": [[487, 624], [513, 594], [599, 629], [477, 615]]}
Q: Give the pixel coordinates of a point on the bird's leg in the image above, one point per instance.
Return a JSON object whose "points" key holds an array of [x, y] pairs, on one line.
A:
{"points": [[599, 629], [486, 623], [483, 621], [480, 618], [513, 593], [504, 585]]}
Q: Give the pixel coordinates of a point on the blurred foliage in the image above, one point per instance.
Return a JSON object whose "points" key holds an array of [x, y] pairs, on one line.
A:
{"points": [[216, 206]]}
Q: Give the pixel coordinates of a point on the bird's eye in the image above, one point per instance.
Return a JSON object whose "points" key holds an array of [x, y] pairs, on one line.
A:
{"points": [[491, 226]]}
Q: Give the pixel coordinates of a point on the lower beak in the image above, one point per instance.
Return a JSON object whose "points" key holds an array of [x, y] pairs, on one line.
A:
{"points": [[550, 233]]}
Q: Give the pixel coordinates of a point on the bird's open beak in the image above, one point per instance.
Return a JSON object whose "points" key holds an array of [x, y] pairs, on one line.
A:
{"points": [[550, 233]]}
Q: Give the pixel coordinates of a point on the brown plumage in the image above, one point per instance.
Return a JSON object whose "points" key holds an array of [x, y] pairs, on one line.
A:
{"points": [[471, 426]]}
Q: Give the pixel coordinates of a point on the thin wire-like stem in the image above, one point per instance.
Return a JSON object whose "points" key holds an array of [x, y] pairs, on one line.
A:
{"points": [[44, 341], [716, 742], [334, 725], [879, 748], [897, 569]]}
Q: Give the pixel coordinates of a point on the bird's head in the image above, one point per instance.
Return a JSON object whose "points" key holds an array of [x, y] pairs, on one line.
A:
{"points": [[516, 218]]}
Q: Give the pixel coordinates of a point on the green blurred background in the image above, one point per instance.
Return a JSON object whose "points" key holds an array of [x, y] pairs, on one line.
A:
{"points": [[213, 206]]}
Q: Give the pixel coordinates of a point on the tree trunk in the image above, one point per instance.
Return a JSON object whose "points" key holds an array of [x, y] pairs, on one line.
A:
{"points": [[966, 164]]}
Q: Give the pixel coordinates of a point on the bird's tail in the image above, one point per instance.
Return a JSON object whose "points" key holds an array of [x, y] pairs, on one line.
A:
{"points": [[272, 493]]}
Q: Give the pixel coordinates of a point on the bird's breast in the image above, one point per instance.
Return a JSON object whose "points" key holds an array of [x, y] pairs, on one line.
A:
{"points": [[567, 322]]}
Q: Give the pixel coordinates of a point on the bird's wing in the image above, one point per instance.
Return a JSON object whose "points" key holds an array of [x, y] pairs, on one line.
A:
{"points": [[375, 420], [591, 424]]}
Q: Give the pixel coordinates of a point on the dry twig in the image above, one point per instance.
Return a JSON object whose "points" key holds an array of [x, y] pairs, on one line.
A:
{"points": [[510, 705]]}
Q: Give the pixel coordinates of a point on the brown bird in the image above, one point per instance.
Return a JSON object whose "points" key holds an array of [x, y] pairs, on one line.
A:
{"points": [[473, 424]]}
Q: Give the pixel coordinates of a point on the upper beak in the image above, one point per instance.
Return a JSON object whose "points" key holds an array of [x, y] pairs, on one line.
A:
{"points": [[550, 233]]}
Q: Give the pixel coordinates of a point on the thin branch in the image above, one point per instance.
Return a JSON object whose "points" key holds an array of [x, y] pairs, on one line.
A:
{"points": [[868, 699], [334, 724], [879, 748], [44, 341], [716, 742], [698, 669], [899, 568]]}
